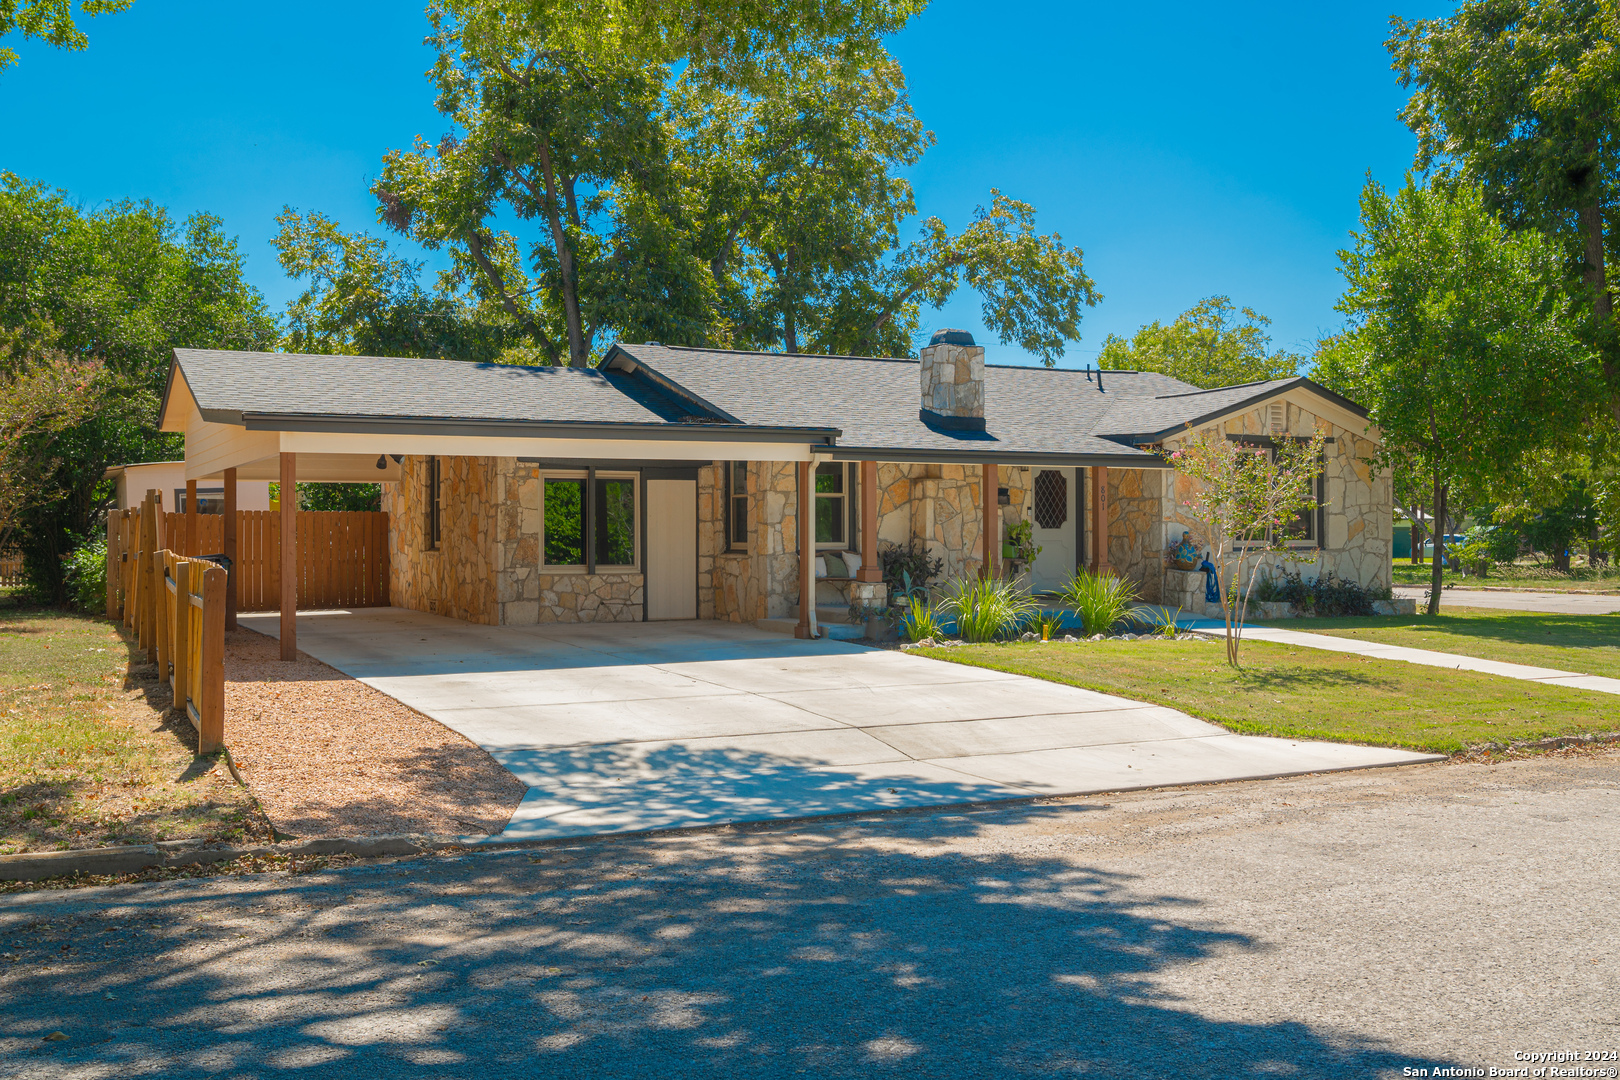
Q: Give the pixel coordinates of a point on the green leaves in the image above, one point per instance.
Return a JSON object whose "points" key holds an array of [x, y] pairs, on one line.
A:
{"points": [[1462, 348], [1206, 346], [50, 21]]}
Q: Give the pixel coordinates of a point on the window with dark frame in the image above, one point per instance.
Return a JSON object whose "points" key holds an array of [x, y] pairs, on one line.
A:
{"points": [[736, 492], [431, 530], [1306, 527], [590, 522]]}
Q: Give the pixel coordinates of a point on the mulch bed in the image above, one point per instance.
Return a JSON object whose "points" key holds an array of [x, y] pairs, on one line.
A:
{"points": [[329, 756]]}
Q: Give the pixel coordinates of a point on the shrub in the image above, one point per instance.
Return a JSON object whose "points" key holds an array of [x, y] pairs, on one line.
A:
{"points": [[919, 622], [908, 571], [86, 575], [1325, 595], [988, 609], [1099, 600]]}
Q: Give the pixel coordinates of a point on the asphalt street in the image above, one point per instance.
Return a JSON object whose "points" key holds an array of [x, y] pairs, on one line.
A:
{"points": [[1344, 925]]}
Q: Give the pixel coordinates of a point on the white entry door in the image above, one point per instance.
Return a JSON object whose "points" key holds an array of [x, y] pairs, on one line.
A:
{"points": [[671, 549], [1056, 525]]}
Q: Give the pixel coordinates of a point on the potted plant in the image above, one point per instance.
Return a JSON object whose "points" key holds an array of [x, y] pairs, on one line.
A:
{"points": [[1020, 543]]}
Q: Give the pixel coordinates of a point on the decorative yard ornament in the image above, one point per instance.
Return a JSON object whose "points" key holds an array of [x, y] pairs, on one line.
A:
{"points": [[1212, 591], [1184, 556]]}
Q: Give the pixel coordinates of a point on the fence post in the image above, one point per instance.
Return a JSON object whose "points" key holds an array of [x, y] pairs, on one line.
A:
{"points": [[183, 614], [211, 710], [160, 602]]}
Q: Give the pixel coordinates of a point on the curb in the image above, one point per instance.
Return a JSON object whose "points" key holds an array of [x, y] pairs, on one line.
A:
{"points": [[133, 858]]}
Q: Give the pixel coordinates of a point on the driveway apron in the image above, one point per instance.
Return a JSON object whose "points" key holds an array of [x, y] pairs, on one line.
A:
{"points": [[626, 727]]}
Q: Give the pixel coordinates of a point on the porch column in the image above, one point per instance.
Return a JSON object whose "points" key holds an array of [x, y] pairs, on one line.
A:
{"points": [[871, 570], [191, 519], [230, 548], [1099, 519], [807, 549], [992, 519], [289, 556]]}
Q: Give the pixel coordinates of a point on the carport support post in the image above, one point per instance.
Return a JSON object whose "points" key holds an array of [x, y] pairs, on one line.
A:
{"points": [[1099, 519], [992, 519], [289, 556], [230, 548], [191, 519], [871, 571], [807, 550]]}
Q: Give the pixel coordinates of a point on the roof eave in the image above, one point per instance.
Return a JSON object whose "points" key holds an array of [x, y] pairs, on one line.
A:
{"points": [[540, 429], [930, 456], [1298, 382]]}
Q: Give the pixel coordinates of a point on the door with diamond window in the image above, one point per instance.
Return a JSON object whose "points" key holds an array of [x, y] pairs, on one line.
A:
{"points": [[1053, 515]]}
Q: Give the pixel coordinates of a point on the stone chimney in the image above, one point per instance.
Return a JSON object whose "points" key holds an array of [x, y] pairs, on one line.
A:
{"points": [[952, 372]]}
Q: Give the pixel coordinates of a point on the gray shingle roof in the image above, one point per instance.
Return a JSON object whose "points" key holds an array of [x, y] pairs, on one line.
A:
{"points": [[1028, 411], [229, 386]]}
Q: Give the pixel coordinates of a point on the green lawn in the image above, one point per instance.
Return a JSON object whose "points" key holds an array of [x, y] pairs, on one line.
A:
{"points": [[87, 755], [1518, 576], [1306, 693], [1589, 644]]}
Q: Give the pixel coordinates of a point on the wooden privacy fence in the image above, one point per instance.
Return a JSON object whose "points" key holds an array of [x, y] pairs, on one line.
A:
{"points": [[11, 570], [176, 608], [342, 556]]}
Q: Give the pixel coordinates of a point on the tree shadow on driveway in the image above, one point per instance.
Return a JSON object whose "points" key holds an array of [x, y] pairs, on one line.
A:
{"points": [[848, 949]]}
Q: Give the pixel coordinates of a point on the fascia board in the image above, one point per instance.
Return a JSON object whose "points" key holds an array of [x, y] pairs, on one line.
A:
{"points": [[538, 429], [894, 455]]}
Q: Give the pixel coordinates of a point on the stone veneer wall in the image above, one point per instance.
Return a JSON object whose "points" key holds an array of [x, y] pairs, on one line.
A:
{"points": [[952, 379], [1358, 503], [762, 582], [459, 579], [531, 594], [1136, 529]]}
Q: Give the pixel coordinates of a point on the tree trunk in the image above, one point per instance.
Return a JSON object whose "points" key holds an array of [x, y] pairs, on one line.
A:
{"points": [[1437, 574], [568, 271], [1417, 536], [1560, 559], [1595, 276]]}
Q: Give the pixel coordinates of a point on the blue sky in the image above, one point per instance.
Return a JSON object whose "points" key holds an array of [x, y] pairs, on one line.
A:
{"points": [[1188, 148]]}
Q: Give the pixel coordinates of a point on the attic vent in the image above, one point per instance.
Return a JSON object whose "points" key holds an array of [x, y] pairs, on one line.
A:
{"points": [[1051, 499], [1279, 422]]}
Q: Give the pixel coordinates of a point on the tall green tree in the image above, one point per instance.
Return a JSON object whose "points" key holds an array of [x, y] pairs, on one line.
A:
{"points": [[362, 300], [1212, 344], [1522, 97], [118, 287], [50, 21], [713, 173], [1460, 346]]}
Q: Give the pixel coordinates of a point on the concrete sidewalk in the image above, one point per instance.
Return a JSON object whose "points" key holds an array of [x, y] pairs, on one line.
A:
{"points": [[1551, 676], [627, 727]]}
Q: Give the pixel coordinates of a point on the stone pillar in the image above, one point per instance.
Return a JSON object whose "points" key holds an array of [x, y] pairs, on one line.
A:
{"points": [[990, 491], [289, 556], [951, 370], [807, 549]]}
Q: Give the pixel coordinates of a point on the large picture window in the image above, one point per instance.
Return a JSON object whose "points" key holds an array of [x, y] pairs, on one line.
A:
{"points": [[1306, 527], [832, 505], [736, 503], [590, 522]]}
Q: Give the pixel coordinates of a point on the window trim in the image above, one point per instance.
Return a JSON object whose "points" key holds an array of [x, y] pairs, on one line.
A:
{"points": [[1318, 516], [588, 529], [729, 499], [850, 502]]}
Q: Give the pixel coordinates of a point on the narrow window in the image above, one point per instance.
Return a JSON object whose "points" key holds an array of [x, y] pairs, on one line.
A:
{"points": [[565, 521], [613, 529], [431, 498], [832, 509], [736, 502]]}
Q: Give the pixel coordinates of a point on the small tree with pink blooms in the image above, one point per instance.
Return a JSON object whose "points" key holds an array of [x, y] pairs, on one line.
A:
{"points": [[1249, 500]]}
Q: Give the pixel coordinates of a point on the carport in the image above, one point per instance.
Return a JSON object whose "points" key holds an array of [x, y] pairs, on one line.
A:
{"points": [[629, 727]]}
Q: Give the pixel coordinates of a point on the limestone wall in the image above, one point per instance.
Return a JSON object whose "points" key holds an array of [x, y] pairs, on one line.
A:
{"points": [[1136, 528], [763, 581], [458, 580], [1358, 532]]}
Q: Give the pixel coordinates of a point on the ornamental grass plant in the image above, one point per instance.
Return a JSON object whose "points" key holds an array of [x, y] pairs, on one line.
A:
{"points": [[988, 609], [1098, 600]]}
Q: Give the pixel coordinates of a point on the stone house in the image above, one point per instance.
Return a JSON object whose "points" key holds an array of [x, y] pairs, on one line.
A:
{"points": [[674, 483]]}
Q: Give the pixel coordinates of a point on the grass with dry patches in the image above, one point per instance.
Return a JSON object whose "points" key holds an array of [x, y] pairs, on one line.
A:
{"points": [[90, 752]]}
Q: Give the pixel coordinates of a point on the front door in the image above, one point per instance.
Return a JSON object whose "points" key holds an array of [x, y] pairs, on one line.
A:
{"points": [[1056, 527], [671, 549]]}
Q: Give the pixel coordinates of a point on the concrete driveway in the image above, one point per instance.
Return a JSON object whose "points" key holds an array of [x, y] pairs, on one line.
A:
{"points": [[1553, 603], [625, 727]]}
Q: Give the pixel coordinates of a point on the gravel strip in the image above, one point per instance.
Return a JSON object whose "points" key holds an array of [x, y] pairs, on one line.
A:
{"points": [[329, 756]]}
